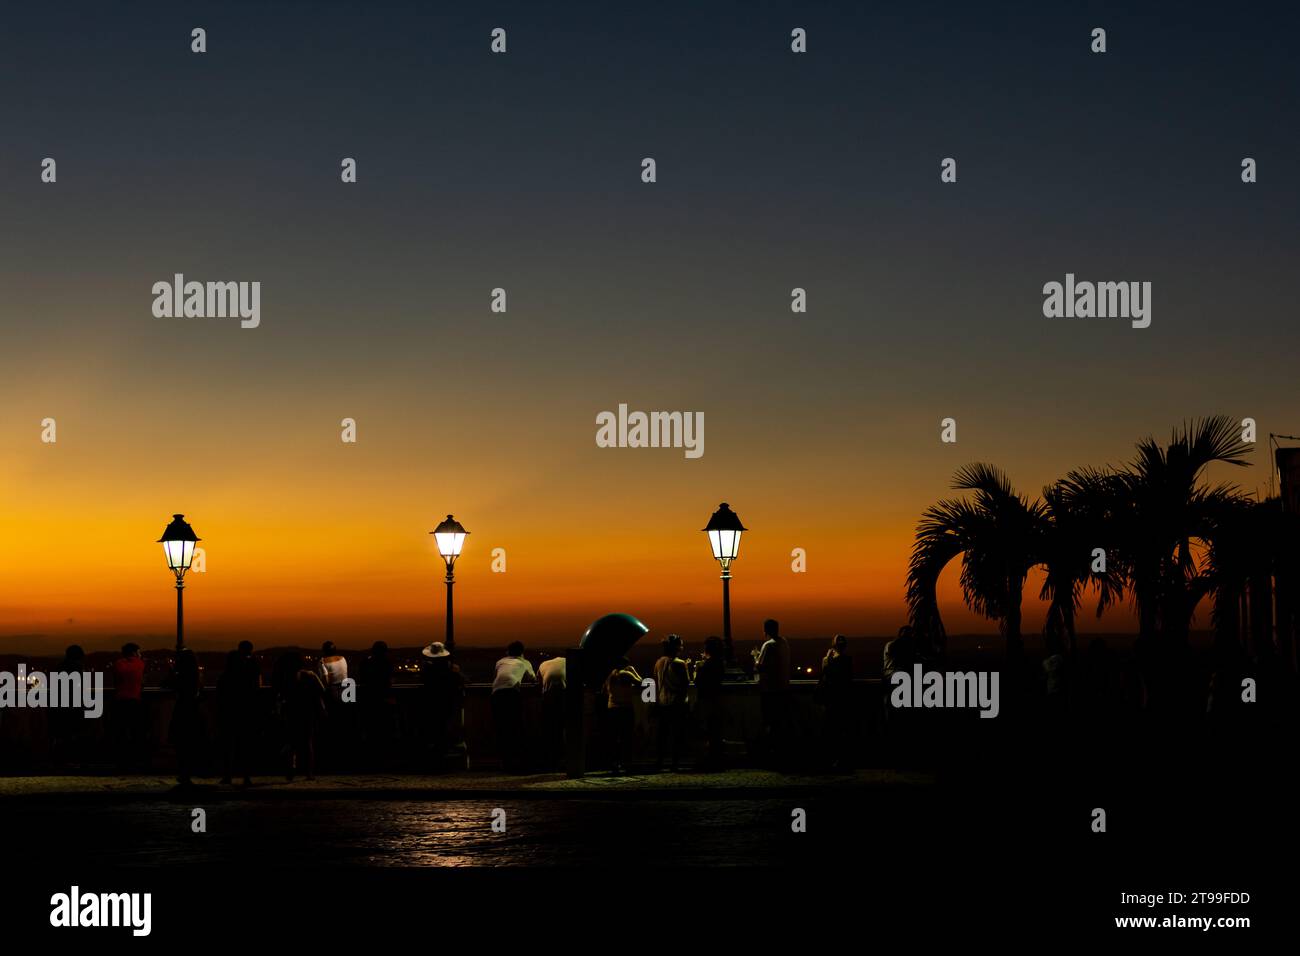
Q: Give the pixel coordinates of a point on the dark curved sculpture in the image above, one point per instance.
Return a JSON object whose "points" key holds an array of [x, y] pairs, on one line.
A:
{"points": [[606, 642]]}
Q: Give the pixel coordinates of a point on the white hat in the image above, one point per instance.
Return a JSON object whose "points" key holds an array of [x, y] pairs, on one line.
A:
{"points": [[435, 650]]}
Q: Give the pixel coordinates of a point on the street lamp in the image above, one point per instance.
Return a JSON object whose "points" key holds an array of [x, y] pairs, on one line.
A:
{"points": [[178, 542], [724, 530], [450, 538]]}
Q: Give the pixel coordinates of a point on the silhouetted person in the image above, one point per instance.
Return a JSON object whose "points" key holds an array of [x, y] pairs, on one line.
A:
{"points": [[904, 725], [621, 689], [284, 674], [186, 731], [772, 664], [672, 688], [69, 734], [1056, 677], [443, 690], [306, 710], [237, 709], [378, 703], [332, 669], [708, 698], [508, 705], [901, 653], [835, 688], [553, 674], [128, 707]]}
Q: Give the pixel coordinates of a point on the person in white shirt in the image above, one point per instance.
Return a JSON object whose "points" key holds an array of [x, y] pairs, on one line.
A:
{"points": [[332, 668], [671, 711], [508, 705], [554, 678], [552, 673]]}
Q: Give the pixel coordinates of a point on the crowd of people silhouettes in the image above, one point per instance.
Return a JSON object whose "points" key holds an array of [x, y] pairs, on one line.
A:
{"points": [[309, 706], [679, 704]]}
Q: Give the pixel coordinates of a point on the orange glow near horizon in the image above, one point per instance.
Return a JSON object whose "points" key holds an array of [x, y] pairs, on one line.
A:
{"points": [[280, 572], [307, 538]]}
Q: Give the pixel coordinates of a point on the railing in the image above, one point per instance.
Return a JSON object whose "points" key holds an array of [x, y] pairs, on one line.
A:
{"points": [[394, 735]]}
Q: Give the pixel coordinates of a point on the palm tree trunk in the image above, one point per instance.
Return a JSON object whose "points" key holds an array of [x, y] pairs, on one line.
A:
{"points": [[1227, 614], [1261, 618], [1011, 624], [1243, 622]]}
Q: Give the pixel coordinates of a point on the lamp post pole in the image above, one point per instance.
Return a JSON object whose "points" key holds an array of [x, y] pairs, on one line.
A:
{"points": [[450, 539], [450, 639], [726, 609], [724, 530], [180, 615], [179, 542]]}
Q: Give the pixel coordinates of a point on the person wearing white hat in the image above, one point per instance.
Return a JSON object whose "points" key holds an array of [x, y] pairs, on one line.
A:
{"points": [[444, 694]]}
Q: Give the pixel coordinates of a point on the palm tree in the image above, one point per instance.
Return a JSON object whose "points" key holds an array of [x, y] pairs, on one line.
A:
{"points": [[1151, 517], [1073, 528], [997, 534], [1154, 514], [1162, 510]]}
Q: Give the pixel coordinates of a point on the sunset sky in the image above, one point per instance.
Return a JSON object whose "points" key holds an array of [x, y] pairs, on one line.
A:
{"points": [[522, 171]]}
